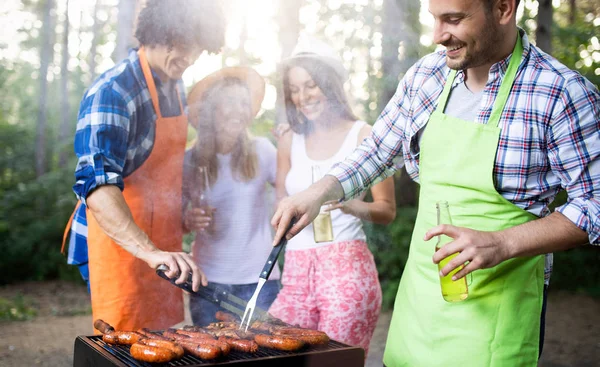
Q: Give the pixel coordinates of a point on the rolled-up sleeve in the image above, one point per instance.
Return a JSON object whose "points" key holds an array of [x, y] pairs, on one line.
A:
{"points": [[379, 155], [101, 141], [574, 151]]}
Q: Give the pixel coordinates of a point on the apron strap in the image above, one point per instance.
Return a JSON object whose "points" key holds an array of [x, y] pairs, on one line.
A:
{"points": [[68, 228], [505, 87], [149, 81], [507, 83], [446, 92]]}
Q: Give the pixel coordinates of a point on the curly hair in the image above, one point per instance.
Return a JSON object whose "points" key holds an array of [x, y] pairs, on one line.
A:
{"points": [[182, 23], [328, 82]]}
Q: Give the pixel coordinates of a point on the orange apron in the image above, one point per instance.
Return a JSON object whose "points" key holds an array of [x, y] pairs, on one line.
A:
{"points": [[125, 291]]}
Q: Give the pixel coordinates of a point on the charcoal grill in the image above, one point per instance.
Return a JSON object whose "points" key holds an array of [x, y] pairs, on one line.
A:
{"points": [[93, 351]]}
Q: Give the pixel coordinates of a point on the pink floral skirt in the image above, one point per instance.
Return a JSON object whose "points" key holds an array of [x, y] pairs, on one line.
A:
{"points": [[334, 289]]}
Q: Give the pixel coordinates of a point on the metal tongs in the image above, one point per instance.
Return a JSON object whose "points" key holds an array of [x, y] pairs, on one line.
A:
{"points": [[214, 294], [264, 275]]}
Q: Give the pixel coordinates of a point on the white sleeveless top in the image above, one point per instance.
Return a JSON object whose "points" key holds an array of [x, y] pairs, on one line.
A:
{"points": [[346, 227]]}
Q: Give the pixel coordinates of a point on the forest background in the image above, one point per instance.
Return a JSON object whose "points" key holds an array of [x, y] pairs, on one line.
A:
{"points": [[51, 50]]}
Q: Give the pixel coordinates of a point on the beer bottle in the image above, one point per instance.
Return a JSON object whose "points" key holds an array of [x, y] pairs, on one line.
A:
{"points": [[322, 227], [452, 291]]}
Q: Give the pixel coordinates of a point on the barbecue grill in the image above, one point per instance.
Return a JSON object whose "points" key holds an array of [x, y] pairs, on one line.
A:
{"points": [[92, 351]]}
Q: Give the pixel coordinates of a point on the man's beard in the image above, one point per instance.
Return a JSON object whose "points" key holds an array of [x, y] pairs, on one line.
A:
{"points": [[489, 42]]}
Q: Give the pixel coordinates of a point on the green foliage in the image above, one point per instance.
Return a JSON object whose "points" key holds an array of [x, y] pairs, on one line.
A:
{"points": [[16, 309], [34, 212], [572, 41], [577, 270], [389, 245]]}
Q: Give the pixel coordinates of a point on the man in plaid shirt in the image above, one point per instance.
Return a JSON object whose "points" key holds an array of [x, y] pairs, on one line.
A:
{"points": [[130, 142], [544, 137]]}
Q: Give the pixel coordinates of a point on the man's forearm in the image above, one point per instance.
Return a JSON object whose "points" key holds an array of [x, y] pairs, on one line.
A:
{"points": [[550, 234], [110, 210], [329, 188]]}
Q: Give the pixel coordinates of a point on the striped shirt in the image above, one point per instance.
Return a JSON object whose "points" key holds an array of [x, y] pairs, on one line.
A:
{"points": [[115, 135], [549, 141]]}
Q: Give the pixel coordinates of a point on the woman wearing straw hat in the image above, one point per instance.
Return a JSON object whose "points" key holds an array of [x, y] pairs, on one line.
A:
{"points": [[233, 235], [331, 286]]}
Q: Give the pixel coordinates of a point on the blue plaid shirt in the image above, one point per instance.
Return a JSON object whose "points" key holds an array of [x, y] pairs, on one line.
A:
{"points": [[114, 136], [550, 137]]}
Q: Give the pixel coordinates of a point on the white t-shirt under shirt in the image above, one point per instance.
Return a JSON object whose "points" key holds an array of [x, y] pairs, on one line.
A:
{"points": [[235, 251], [346, 227]]}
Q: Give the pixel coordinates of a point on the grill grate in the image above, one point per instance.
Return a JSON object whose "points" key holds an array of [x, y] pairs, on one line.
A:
{"points": [[94, 349]]}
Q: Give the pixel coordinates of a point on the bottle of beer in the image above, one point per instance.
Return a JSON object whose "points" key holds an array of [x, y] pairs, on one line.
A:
{"points": [[452, 291], [202, 193], [322, 227]]}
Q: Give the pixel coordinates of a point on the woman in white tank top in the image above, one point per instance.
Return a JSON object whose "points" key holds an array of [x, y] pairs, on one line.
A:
{"points": [[329, 286]]}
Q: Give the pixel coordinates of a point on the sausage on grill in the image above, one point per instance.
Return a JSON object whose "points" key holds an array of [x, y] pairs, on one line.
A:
{"points": [[194, 334], [173, 347], [241, 345], [150, 335], [278, 342], [103, 326], [202, 351], [152, 354], [122, 337], [313, 337], [225, 348]]}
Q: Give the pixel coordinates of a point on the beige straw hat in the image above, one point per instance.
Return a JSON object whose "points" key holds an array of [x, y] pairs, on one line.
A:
{"points": [[313, 48], [249, 76]]}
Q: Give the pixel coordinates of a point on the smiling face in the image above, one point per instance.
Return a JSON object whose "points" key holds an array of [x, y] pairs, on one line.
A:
{"points": [[232, 113], [172, 62], [468, 30], [305, 94]]}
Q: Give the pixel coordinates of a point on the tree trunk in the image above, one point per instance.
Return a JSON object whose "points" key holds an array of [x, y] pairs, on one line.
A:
{"points": [[46, 50], [572, 12], [65, 124], [401, 33], [95, 37], [401, 30], [289, 29], [125, 24], [544, 23]]}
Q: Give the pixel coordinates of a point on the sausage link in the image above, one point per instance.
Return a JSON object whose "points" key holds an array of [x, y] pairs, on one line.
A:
{"points": [[313, 337], [195, 334], [278, 342], [184, 338], [122, 337], [149, 353], [225, 348], [103, 326], [151, 335], [172, 334], [241, 345], [173, 347], [202, 351]]}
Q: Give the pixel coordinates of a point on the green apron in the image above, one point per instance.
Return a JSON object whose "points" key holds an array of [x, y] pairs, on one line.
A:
{"points": [[499, 323]]}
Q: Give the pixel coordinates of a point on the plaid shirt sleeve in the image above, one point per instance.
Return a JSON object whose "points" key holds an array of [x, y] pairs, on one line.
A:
{"points": [[101, 140], [379, 155], [574, 154]]}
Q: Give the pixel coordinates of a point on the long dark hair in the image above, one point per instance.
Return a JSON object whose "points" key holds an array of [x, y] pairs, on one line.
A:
{"points": [[244, 160], [328, 82]]}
